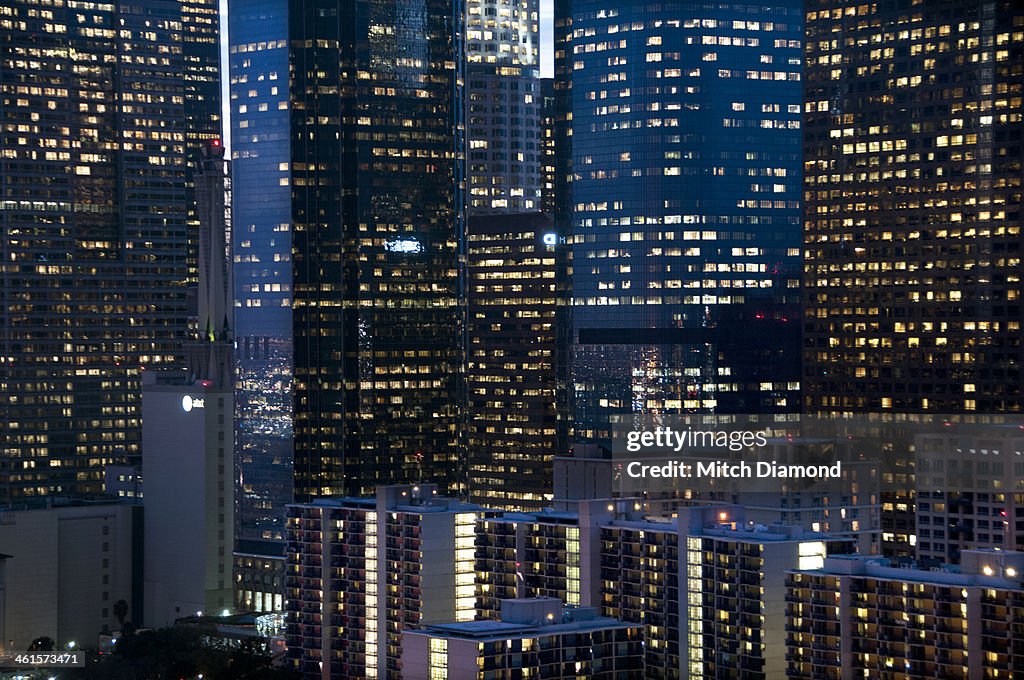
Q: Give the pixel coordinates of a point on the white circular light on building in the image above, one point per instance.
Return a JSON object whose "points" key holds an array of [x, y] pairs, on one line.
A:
{"points": [[186, 403], [550, 239]]}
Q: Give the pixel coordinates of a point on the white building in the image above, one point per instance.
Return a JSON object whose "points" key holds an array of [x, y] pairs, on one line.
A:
{"points": [[188, 438]]}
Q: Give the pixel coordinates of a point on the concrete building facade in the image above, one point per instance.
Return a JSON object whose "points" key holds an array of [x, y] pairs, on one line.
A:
{"points": [[66, 567]]}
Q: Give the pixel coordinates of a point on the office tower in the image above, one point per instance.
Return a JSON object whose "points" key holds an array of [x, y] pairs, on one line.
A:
{"points": [[912, 234], [123, 482], [967, 490], [860, 616], [189, 504], [535, 638], [912, 208], [362, 570], [516, 420], [680, 188], [188, 435], [503, 102], [846, 507], [377, 195], [548, 147], [67, 566], [262, 254], [99, 105]]}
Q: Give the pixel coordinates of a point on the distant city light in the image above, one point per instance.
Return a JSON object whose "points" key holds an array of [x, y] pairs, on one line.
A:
{"points": [[550, 239]]}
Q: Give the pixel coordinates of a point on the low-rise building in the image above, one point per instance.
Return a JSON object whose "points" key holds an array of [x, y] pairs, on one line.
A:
{"points": [[259, 582], [533, 638], [66, 568]]}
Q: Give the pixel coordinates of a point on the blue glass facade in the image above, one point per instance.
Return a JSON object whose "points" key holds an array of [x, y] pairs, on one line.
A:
{"points": [[683, 205], [262, 262]]}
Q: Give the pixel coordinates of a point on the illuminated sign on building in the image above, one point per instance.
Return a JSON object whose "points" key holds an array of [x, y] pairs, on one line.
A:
{"points": [[404, 245], [188, 403]]}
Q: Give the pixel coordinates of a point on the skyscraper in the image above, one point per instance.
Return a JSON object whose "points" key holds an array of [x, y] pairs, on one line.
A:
{"points": [[503, 101], [912, 237], [99, 224], [262, 255], [681, 197], [376, 175], [548, 147], [188, 433], [516, 416], [912, 207]]}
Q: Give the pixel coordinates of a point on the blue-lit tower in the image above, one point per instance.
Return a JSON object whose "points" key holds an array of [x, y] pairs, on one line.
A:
{"points": [[680, 184], [262, 267]]}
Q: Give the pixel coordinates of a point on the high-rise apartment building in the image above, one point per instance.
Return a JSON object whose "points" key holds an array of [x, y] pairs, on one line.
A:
{"points": [[363, 570], [709, 587], [262, 255], [516, 415], [503, 106], [680, 189], [100, 106], [551, 553], [708, 584], [859, 616], [912, 207], [377, 194]]}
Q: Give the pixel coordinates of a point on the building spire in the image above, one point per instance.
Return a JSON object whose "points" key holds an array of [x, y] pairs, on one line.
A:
{"points": [[209, 355]]}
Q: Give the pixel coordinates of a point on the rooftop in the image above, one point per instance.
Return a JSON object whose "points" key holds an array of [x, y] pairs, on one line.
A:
{"points": [[989, 568]]}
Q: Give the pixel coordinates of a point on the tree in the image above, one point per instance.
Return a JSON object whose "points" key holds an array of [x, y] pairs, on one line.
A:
{"points": [[41, 644], [121, 612], [171, 653]]}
